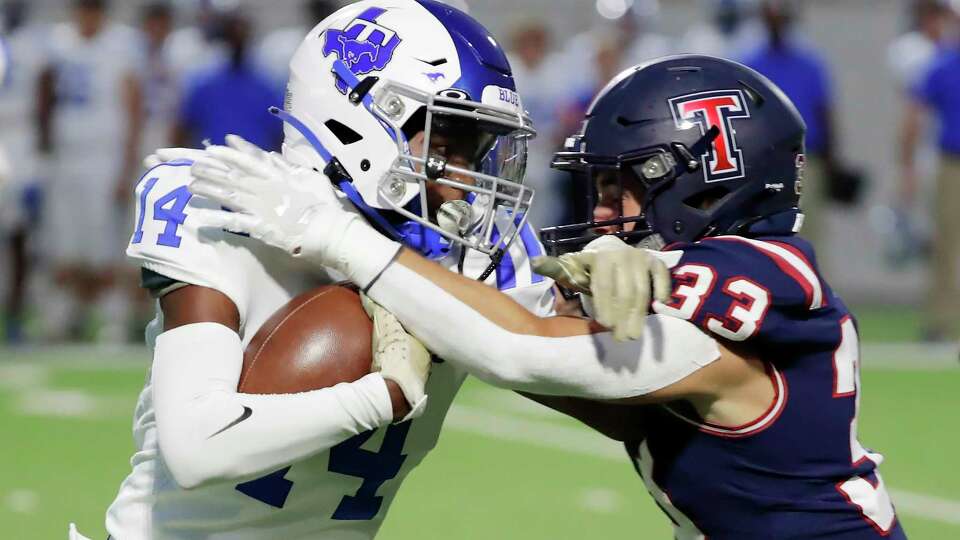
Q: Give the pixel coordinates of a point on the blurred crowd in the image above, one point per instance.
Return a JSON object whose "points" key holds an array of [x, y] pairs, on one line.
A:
{"points": [[87, 98]]}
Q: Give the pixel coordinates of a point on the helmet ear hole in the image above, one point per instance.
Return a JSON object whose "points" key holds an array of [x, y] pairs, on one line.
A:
{"points": [[416, 123], [342, 132], [706, 199]]}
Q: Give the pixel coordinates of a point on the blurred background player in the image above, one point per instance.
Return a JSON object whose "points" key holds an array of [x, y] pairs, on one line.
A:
{"points": [[801, 72], [197, 43], [626, 34], [277, 47], [19, 206], [729, 32], [929, 31], [540, 81], [936, 95], [90, 121], [632, 26], [160, 75], [907, 222], [230, 96]]}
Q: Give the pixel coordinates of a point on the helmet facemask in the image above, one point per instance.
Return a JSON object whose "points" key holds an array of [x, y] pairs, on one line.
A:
{"points": [[651, 170], [476, 149]]}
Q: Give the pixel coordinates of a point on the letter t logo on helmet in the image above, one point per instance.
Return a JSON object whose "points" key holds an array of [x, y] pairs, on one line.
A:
{"points": [[723, 159]]}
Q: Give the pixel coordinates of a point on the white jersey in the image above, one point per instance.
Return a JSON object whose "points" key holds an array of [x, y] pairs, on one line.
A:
{"points": [[341, 493], [89, 76], [25, 53]]}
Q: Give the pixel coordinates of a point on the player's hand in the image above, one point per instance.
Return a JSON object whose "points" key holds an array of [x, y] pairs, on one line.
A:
{"points": [[617, 276], [398, 356], [272, 200]]}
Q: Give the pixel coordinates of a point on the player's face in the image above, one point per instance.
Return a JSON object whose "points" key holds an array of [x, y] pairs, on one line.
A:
{"points": [[458, 151], [89, 20], [619, 194], [157, 28]]}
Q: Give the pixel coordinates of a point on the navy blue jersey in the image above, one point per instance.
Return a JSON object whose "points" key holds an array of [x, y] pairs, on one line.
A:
{"points": [[798, 470]]}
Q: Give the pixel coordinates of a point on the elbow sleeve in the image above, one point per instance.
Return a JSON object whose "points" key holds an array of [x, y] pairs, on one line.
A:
{"points": [[208, 432]]}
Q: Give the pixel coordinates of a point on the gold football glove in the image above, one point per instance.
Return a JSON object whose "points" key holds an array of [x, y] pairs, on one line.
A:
{"points": [[617, 276], [398, 356]]}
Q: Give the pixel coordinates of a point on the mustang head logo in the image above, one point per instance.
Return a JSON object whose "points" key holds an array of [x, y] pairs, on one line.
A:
{"points": [[364, 45], [434, 77]]}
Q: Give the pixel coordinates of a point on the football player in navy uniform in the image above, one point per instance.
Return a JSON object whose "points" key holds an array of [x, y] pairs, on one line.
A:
{"points": [[738, 395]]}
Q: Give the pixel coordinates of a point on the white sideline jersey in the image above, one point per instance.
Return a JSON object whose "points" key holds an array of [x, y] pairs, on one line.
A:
{"points": [[342, 493], [25, 52], [89, 76]]}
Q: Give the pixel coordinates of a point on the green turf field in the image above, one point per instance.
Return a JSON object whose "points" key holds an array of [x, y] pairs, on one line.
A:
{"points": [[503, 468]]}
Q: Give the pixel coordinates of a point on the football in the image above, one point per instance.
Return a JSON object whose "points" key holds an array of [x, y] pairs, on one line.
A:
{"points": [[318, 339]]}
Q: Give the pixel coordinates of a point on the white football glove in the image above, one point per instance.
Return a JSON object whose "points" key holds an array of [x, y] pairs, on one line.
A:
{"points": [[618, 278], [398, 356], [287, 206]]}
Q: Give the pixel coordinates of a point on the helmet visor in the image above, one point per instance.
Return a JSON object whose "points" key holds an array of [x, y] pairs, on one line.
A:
{"points": [[476, 152]]}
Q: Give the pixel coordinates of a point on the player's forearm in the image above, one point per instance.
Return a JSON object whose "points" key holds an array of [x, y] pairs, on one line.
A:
{"points": [[496, 307], [208, 432], [496, 340]]}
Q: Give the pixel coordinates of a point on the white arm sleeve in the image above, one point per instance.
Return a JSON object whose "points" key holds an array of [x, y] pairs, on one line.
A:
{"points": [[590, 366], [209, 432]]}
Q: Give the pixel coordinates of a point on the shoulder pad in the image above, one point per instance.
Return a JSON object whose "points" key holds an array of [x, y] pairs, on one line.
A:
{"points": [[167, 242], [514, 274], [730, 285]]}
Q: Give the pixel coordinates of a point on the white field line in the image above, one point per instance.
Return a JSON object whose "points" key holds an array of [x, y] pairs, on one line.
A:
{"points": [[21, 501], [910, 356], [875, 356], [78, 356], [582, 441], [507, 427]]}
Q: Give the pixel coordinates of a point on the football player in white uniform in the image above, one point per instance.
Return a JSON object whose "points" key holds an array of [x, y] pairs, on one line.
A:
{"points": [[24, 45], [89, 106], [417, 103]]}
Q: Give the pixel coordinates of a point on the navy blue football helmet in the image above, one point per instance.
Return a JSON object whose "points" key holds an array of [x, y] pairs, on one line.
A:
{"points": [[716, 147]]}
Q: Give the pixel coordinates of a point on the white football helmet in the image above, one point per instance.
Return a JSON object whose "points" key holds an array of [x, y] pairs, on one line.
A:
{"points": [[378, 72]]}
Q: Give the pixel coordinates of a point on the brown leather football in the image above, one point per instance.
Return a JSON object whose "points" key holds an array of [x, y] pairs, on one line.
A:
{"points": [[318, 339]]}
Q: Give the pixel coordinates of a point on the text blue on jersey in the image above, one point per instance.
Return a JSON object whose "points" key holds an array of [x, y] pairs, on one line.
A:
{"points": [[350, 459]]}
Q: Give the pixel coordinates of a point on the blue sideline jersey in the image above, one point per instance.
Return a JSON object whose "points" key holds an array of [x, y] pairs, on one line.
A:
{"points": [[939, 89], [232, 99], [798, 470], [805, 78]]}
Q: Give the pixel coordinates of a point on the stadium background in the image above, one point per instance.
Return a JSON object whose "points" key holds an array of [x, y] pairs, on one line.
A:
{"points": [[504, 468]]}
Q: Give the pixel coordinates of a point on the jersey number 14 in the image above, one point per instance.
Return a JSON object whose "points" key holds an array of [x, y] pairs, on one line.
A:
{"points": [[350, 459], [167, 209]]}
